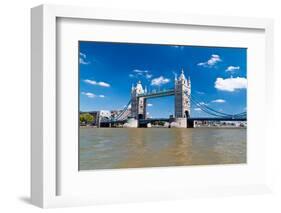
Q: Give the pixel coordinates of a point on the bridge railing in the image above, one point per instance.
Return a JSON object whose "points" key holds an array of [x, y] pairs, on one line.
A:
{"points": [[155, 92]]}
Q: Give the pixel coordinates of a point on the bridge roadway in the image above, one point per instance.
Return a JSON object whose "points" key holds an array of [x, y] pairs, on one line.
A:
{"points": [[189, 120], [196, 119]]}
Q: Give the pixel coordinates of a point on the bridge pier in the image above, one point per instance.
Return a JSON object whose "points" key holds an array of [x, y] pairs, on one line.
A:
{"points": [[132, 123], [104, 125], [178, 123], [190, 123], [144, 125]]}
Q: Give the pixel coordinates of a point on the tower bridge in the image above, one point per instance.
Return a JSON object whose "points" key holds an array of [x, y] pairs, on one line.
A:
{"points": [[181, 91], [134, 113]]}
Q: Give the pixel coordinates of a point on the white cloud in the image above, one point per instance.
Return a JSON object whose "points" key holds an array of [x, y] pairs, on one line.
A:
{"points": [[232, 69], [203, 103], [148, 76], [101, 83], [136, 73], [219, 101], [197, 109], [82, 59], [231, 84], [89, 94], [140, 71], [149, 105], [211, 62], [159, 81], [83, 55], [200, 93], [92, 95]]}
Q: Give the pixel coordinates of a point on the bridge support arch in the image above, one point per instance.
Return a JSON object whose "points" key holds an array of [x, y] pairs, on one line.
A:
{"points": [[190, 123]]}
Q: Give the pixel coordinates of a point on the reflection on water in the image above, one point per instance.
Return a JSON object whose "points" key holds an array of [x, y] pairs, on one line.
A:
{"points": [[109, 148]]}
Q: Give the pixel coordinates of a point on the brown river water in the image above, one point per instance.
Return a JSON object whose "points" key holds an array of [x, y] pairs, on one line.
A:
{"points": [[111, 148]]}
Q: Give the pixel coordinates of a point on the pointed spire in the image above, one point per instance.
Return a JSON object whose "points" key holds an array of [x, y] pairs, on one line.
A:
{"points": [[182, 77], [139, 88]]}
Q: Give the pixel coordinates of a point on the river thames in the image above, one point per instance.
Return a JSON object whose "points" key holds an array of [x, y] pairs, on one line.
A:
{"points": [[112, 148]]}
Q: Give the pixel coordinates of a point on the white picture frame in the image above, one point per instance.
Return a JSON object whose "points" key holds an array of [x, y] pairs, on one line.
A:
{"points": [[44, 149]]}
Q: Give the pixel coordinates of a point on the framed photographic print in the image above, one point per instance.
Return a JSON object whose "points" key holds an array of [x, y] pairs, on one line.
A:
{"points": [[148, 115], [149, 106]]}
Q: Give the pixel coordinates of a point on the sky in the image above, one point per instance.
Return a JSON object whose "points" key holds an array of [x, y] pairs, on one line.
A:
{"points": [[107, 71]]}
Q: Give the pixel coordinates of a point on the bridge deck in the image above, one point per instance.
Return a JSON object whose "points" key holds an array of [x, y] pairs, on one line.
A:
{"points": [[189, 119], [217, 119]]}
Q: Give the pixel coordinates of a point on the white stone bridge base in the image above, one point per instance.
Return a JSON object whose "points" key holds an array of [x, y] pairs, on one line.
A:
{"points": [[179, 123]]}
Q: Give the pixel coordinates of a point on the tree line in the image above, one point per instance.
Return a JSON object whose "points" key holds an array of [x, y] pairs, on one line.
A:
{"points": [[86, 119]]}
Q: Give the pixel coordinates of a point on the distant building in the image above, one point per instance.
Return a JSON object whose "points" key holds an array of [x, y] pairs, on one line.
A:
{"points": [[114, 113], [105, 113]]}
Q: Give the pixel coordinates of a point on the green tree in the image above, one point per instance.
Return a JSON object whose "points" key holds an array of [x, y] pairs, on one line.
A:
{"points": [[161, 123], [86, 118]]}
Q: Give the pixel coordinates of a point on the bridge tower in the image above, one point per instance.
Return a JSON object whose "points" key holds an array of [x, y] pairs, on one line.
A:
{"points": [[182, 99], [138, 105]]}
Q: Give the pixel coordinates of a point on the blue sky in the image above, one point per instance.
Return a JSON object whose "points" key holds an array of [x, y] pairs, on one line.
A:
{"points": [[108, 70]]}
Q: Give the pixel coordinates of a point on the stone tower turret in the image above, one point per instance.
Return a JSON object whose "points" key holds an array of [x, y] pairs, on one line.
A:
{"points": [[182, 96], [138, 104]]}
